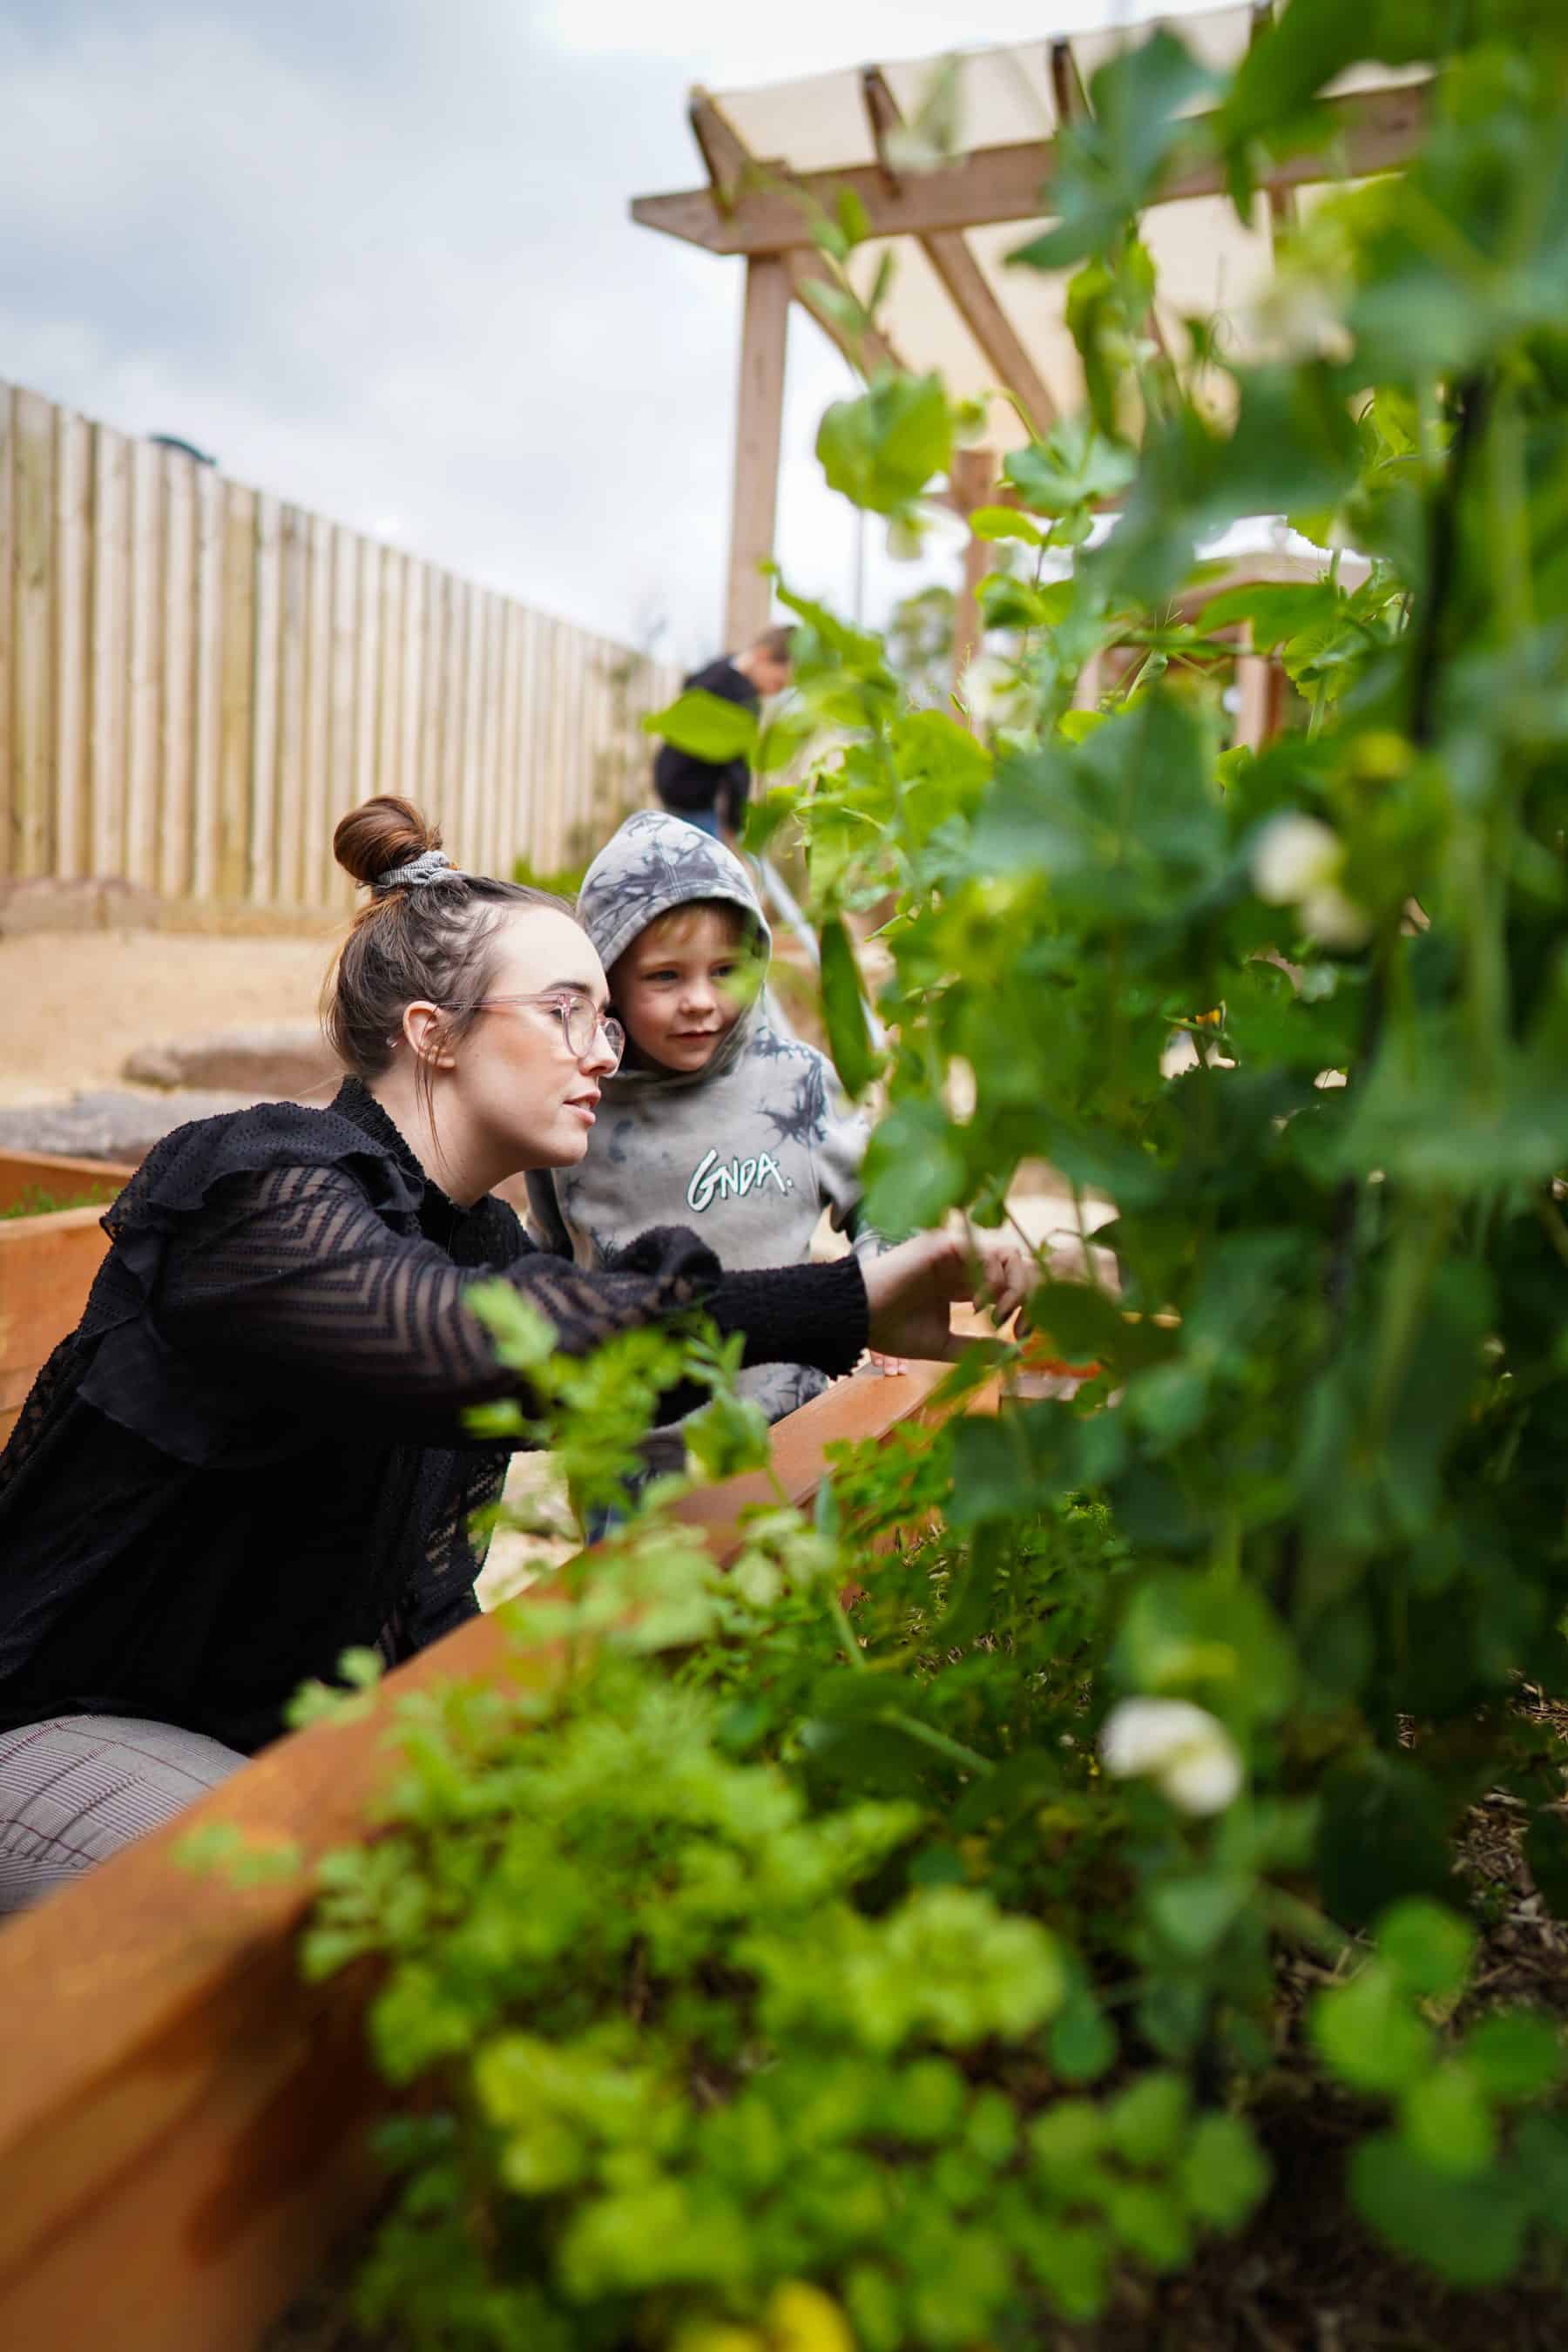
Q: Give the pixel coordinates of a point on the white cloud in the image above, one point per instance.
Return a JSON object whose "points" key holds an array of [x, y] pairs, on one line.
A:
{"points": [[719, 44], [379, 260]]}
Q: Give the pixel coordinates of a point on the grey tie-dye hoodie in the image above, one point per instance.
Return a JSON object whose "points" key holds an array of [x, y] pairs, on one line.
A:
{"points": [[747, 1152]]}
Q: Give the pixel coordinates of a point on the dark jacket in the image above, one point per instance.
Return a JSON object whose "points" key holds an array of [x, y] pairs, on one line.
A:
{"points": [[688, 786], [250, 1454]]}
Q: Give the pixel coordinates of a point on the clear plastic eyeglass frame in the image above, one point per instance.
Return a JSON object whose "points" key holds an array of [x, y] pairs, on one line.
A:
{"points": [[580, 1023]]}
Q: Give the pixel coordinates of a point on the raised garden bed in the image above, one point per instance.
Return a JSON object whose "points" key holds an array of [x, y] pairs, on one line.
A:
{"points": [[52, 1245], [183, 2126]]}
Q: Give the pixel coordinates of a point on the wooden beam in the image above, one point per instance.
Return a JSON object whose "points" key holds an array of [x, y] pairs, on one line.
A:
{"points": [[883, 113], [759, 427], [966, 284], [182, 2120], [733, 167], [1373, 130], [1067, 85], [972, 474], [759, 406]]}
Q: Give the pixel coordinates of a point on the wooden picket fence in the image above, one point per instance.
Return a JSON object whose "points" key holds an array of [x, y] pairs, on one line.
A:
{"points": [[196, 678]]}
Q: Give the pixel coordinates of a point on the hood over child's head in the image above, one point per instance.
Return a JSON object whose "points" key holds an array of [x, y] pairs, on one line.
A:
{"points": [[683, 940]]}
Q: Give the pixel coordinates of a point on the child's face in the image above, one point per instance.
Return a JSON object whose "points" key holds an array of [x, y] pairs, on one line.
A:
{"points": [[680, 986]]}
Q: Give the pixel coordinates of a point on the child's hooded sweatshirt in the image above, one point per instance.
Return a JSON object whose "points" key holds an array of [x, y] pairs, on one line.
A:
{"points": [[746, 1152]]}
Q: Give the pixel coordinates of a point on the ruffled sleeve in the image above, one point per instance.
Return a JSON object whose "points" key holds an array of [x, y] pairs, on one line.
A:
{"points": [[268, 1269]]}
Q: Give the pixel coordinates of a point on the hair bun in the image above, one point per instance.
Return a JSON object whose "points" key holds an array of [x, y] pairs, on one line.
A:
{"points": [[381, 834]]}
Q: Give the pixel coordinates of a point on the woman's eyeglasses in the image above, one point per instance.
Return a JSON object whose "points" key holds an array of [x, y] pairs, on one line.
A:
{"points": [[580, 1023]]}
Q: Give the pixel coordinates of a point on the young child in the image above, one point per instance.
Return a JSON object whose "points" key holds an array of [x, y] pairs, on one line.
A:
{"points": [[717, 1119]]}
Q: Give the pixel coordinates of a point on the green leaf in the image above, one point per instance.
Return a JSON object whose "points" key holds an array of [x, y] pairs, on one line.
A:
{"points": [[1276, 611], [915, 1168], [781, 740], [1383, 1832], [1005, 523], [842, 1003], [1147, 2121], [1206, 1638], [1222, 2174], [1289, 65], [1429, 1949], [1445, 2119], [1111, 166], [1082, 2043], [766, 813], [1064, 2138], [1541, 2153], [726, 1436], [1072, 467], [1471, 2232], [1150, 2222], [1368, 2033], [882, 449], [1516, 2054], [1294, 443], [1194, 1912], [853, 217], [994, 1470], [706, 726], [1078, 726], [1071, 2263]]}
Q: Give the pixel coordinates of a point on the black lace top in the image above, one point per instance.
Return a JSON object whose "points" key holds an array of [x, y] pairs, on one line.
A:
{"points": [[249, 1454]]}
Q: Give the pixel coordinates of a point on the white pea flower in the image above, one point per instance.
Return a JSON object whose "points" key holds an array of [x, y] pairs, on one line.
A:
{"points": [[906, 540], [1294, 854], [1329, 916], [1184, 1748], [988, 686]]}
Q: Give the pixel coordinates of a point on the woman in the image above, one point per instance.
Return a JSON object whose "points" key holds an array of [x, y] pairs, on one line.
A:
{"points": [[250, 1454]]}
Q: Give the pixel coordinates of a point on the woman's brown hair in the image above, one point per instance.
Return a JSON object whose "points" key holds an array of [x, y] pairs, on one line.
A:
{"points": [[424, 941]]}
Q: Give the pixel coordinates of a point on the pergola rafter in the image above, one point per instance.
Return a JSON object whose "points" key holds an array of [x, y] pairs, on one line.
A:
{"points": [[953, 306], [967, 287], [1374, 131]]}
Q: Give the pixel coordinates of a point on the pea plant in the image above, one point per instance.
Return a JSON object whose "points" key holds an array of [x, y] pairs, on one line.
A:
{"points": [[897, 1938]]}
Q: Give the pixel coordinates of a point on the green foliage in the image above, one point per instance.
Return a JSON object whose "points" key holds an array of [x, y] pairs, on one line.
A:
{"points": [[36, 1201], [805, 1953], [563, 882], [687, 2040], [882, 449], [706, 725]]}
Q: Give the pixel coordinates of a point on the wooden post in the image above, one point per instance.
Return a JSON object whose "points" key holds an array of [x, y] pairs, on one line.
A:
{"points": [[1086, 693], [973, 472], [759, 421], [1252, 715]]}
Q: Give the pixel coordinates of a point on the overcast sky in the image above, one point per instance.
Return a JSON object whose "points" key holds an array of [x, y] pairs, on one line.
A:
{"points": [[376, 255]]}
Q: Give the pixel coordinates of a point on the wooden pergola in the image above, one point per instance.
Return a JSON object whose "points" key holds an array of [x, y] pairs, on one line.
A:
{"points": [[777, 158]]}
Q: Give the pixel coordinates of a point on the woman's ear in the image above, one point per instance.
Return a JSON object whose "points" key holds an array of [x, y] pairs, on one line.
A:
{"points": [[424, 1027]]}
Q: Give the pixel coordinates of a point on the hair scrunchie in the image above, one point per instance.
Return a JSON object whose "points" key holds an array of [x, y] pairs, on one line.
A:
{"points": [[428, 867]]}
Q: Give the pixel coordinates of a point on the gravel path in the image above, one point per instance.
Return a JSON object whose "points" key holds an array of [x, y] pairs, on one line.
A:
{"points": [[77, 1004]]}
